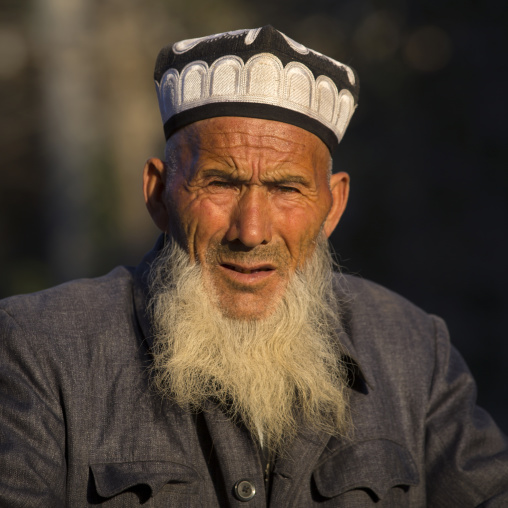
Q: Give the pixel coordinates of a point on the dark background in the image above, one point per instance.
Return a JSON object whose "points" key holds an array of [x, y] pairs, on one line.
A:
{"points": [[426, 149]]}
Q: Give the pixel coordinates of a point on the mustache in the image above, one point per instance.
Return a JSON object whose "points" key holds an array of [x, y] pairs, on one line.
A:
{"points": [[268, 254]]}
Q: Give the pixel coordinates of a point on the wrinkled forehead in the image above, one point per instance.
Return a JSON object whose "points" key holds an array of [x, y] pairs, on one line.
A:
{"points": [[247, 142]]}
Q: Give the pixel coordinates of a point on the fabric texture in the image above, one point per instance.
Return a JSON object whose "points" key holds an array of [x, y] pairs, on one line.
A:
{"points": [[80, 425]]}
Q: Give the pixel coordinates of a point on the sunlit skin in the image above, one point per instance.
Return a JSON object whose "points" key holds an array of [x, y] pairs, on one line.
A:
{"points": [[249, 199]]}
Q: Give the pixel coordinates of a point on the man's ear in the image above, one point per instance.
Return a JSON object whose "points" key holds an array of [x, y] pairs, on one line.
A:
{"points": [[154, 189], [339, 186]]}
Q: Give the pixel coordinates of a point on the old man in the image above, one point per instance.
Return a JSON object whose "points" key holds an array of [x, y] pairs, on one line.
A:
{"points": [[233, 365]]}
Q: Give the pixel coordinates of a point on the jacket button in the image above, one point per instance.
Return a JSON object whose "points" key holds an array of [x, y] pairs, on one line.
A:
{"points": [[244, 490]]}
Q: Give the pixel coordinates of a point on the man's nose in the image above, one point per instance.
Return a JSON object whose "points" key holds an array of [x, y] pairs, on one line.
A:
{"points": [[251, 219]]}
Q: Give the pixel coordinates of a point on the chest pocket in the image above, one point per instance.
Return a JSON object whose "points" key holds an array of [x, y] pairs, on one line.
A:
{"points": [[375, 467], [141, 480]]}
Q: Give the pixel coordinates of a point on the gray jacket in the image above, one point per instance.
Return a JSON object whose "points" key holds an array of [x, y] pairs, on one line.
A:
{"points": [[80, 426]]}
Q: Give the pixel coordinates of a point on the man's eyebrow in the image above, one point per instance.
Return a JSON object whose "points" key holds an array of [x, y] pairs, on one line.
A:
{"points": [[229, 176], [218, 173], [285, 179]]}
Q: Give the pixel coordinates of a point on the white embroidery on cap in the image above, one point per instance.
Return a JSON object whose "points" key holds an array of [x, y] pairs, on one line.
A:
{"points": [[187, 44], [225, 75], [251, 36], [263, 80], [350, 73], [299, 48], [252, 33]]}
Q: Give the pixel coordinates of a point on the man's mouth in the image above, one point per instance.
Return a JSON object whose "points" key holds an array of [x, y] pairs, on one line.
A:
{"points": [[247, 276], [248, 270]]}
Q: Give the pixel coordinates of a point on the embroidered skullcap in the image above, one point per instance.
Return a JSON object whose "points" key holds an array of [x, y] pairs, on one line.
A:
{"points": [[258, 73]]}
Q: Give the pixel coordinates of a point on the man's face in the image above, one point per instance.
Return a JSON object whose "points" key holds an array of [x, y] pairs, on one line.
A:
{"points": [[249, 199]]}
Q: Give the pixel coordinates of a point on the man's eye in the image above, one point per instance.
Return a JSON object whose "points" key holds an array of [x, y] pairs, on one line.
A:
{"points": [[287, 189], [220, 184]]}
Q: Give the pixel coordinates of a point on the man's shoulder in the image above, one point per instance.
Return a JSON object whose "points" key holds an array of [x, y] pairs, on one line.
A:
{"points": [[73, 303], [367, 297], [380, 321]]}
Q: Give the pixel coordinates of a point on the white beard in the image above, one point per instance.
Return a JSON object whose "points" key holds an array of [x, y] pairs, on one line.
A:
{"points": [[274, 373]]}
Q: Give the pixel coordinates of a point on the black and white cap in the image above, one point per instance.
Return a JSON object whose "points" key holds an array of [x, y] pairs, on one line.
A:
{"points": [[258, 73]]}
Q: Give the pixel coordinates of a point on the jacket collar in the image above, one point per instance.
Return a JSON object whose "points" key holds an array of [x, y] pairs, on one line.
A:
{"points": [[141, 293]]}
